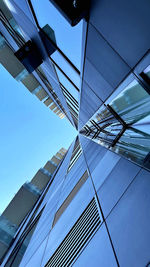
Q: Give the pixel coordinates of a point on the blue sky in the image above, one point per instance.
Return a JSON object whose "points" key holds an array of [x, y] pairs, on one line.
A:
{"points": [[30, 133]]}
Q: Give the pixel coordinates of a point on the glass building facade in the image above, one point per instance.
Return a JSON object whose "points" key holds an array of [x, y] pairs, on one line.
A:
{"points": [[94, 208]]}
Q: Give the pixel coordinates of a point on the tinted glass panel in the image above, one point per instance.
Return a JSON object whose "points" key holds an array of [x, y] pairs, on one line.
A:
{"points": [[147, 71], [132, 104]]}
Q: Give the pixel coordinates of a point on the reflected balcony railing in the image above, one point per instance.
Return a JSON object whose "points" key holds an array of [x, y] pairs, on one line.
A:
{"points": [[123, 125]]}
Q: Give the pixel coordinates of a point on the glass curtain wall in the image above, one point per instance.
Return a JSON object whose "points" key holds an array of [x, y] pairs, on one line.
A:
{"points": [[123, 124]]}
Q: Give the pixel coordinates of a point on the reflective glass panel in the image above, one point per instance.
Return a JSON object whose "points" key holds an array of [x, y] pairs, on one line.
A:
{"points": [[134, 144], [147, 71], [63, 64], [68, 38], [133, 103], [103, 127], [68, 85]]}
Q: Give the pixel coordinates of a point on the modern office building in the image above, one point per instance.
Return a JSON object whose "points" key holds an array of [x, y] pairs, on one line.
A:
{"points": [[95, 209], [23, 202]]}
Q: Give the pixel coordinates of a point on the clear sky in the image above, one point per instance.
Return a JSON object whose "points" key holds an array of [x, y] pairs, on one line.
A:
{"points": [[30, 133]]}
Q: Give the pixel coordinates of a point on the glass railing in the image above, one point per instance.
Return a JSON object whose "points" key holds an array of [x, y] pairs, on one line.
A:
{"points": [[32, 188], [2, 41]]}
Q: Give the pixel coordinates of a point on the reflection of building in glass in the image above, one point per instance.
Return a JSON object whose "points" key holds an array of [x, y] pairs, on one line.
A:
{"points": [[115, 124], [95, 209], [18, 54]]}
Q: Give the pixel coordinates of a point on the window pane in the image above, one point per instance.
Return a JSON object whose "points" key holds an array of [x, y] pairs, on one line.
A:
{"points": [[68, 38], [132, 104], [147, 71], [134, 144]]}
